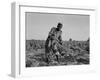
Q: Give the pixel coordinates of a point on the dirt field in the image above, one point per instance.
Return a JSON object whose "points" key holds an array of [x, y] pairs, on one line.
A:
{"points": [[77, 54]]}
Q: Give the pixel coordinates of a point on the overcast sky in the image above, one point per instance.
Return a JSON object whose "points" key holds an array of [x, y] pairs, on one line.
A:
{"points": [[39, 24]]}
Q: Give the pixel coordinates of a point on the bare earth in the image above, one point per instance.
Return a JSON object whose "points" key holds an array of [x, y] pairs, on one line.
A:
{"points": [[77, 55]]}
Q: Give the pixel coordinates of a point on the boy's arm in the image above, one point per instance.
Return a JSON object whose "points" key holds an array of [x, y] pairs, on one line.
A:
{"points": [[51, 33], [60, 38]]}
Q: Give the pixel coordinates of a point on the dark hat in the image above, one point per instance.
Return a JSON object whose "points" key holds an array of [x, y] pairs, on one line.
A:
{"points": [[59, 24]]}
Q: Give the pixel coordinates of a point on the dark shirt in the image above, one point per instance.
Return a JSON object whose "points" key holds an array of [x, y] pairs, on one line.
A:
{"points": [[54, 35]]}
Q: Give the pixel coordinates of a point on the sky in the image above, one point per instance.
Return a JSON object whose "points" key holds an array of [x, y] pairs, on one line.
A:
{"points": [[38, 25]]}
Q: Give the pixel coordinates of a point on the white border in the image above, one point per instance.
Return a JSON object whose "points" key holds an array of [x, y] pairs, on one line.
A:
{"points": [[20, 69]]}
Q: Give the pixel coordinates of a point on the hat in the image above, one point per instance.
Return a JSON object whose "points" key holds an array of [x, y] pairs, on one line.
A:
{"points": [[59, 24]]}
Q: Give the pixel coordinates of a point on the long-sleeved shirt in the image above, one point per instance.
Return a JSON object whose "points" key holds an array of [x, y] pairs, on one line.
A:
{"points": [[54, 35]]}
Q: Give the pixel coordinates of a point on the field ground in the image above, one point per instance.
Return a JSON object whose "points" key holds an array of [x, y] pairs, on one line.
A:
{"points": [[78, 55]]}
